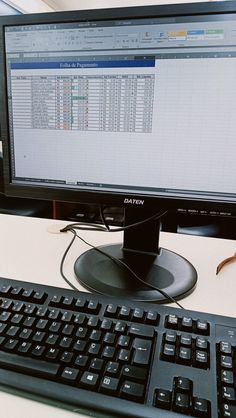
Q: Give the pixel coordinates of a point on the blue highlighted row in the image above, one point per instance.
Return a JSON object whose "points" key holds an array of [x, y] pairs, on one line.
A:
{"points": [[83, 64]]}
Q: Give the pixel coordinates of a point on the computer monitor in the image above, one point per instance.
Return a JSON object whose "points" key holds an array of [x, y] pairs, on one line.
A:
{"points": [[132, 106]]}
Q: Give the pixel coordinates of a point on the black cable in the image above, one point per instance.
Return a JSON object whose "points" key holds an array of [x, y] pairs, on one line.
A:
{"points": [[117, 261], [103, 218], [84, 227], [122, 263], [106, 228], [63, 260], [92, 227]]}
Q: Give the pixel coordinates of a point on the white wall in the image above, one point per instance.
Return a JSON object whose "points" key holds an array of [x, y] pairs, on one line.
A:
{"points": [[30, 6], [34, 6], [96, 4]]}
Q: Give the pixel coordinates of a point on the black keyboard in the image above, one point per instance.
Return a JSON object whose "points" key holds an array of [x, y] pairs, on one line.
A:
{"points": [[115, 358]]}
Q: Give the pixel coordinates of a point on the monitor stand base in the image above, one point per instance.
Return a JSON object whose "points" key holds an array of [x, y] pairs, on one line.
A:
{"points": [[166, 270]]}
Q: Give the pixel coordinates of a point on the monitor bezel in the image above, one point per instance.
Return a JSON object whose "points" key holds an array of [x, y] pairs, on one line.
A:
{"points": [[96, 196]]}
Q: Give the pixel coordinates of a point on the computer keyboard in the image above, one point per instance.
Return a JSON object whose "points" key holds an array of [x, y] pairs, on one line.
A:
{"points": [[109, 357]]}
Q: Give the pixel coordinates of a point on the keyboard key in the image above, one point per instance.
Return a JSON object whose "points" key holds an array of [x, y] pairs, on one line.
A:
{"points": [[18, 363], [228, 411], [80, 345], [24, 347], [172, 321], [202, 327], [109, 384], [228, 394], [66, 357], [112, 368], [10, 345], [201, 359], [89, 379], [109, 338], [108, 352], [186, 340], [227, 377], [65, 342], [6, 304], [17, 318], [120, 327], [96, 364], [94, 349], [111, 310], [141, 330], [38, 336], [138, 315], [181, 403], [18, 307], [168, 352], [52, 339], [54, 314], [4, 316], [70, 374], [16, 291], [201, 343], [185, 355], [30, 309], [225, 347], [133, 391], [28, 294], [40, 296], [124, 312], [95, 335], [163, 398], [68, 329], [106, 324], [123, 341], [186, 323], [2, 327], [142, 351], [67, 316], [93, 307], [81, 332], [124, 356], [67, 302], [81, 361], [29, 321], [38, 351], [55, 300], [5, 289], [152, 318], [25, 333], [134, 373], [170, 337], [80, 304], [226, 362], [12, 331], [52, 354], [201, 407], [183, 384]]}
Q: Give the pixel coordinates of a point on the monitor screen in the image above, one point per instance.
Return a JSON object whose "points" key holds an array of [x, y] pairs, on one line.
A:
{"points": [[129, 105]]}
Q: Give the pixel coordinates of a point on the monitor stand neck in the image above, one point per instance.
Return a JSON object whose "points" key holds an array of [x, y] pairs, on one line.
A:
{"points": [[156, 266], [141, 238]]}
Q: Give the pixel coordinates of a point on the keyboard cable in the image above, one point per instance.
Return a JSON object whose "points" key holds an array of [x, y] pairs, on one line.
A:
{"points": [[91, 227]]}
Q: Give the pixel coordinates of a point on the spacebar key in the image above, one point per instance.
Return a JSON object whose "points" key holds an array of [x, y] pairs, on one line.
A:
{"points": [[28, 365]]}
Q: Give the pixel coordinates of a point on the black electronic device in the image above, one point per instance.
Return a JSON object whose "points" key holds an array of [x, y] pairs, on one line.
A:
{"points": [[113, 357], [130, 106]]}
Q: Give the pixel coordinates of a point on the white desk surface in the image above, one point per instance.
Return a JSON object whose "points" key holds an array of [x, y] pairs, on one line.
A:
{"points": [[29, 252]]}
